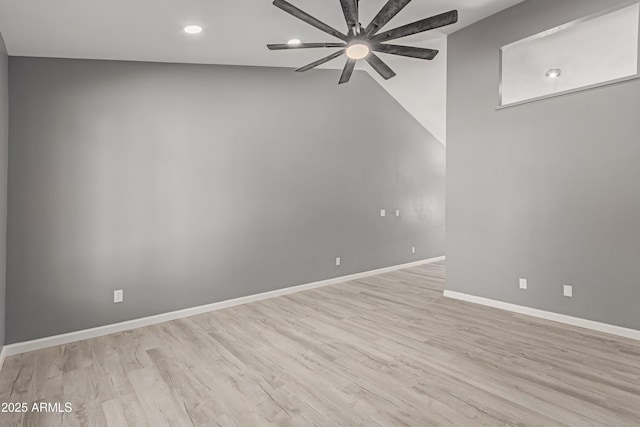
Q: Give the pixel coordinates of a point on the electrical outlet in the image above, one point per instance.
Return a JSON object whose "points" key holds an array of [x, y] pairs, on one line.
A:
{"points": [[118, 296], [383, 212], [568, 291], [523, 283], [413, 249], [338, 261]]}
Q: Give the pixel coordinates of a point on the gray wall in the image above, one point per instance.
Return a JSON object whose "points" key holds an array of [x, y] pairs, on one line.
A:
{"points": [[4, 146], [190, 184], [548, 191]]}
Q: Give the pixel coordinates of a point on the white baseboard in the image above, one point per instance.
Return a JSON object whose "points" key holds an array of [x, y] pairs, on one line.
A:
{"points": [[548, 315], [23, 347]]}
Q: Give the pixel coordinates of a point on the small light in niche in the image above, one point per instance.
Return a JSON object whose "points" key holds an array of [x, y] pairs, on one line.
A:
{"points": [[553, 73], [193, 29]]}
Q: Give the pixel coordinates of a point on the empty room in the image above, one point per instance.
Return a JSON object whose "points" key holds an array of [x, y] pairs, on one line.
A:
{"points": [[320, 213]]}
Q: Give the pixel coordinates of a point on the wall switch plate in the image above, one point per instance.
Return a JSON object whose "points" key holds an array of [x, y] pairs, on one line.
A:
{"points": [[568, 290], [338, 261], [413, 249], [383, 212], [523, 283], [118, 296], [397, 212]]}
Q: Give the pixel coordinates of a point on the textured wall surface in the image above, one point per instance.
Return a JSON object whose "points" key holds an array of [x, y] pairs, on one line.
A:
{"points": [[548, 191], [190, 184]]}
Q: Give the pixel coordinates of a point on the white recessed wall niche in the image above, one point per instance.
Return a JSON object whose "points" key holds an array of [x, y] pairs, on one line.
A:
{"points": [[592, 51]]}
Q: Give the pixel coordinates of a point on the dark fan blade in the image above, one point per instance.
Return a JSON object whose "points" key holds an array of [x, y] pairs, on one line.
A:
{"points": [[304, 16], [382, 68], [303, 45], [437, 21], [321, 61], [413, 52], [350, 10], [385, 15], [348, 70]]}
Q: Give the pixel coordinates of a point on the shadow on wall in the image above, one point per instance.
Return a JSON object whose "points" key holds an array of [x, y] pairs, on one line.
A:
{"points": [[4, 147]]}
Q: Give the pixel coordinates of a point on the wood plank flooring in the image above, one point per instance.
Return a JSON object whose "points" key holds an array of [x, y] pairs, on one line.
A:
{"points": [[387, 350]]}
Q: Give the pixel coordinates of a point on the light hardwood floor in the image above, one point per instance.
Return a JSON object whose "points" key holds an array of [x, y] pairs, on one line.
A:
{"points": [[387, 350]]}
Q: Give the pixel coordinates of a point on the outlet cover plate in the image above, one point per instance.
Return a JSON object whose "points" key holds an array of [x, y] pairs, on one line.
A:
{"points": [[118, 296], [568, 291], [523, 283]]}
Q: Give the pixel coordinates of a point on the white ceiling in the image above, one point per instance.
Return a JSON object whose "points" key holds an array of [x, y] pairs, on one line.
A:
{"points": [[235, 31]]}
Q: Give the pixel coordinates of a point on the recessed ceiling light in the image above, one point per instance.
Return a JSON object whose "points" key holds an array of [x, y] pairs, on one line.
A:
{"points": [[193, 29], [553, 73], [357, 51], [294, 42]]}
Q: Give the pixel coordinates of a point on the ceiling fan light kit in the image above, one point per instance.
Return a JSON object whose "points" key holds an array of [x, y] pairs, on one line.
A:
{"points": [[360, 43], [358, 50]]}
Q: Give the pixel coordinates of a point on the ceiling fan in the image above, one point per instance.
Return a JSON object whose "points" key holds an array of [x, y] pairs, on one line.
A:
{"points": [[360, 43]]}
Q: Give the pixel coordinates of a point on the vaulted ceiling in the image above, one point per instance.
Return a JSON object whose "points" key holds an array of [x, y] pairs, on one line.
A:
{"points": [[235, 32]]}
